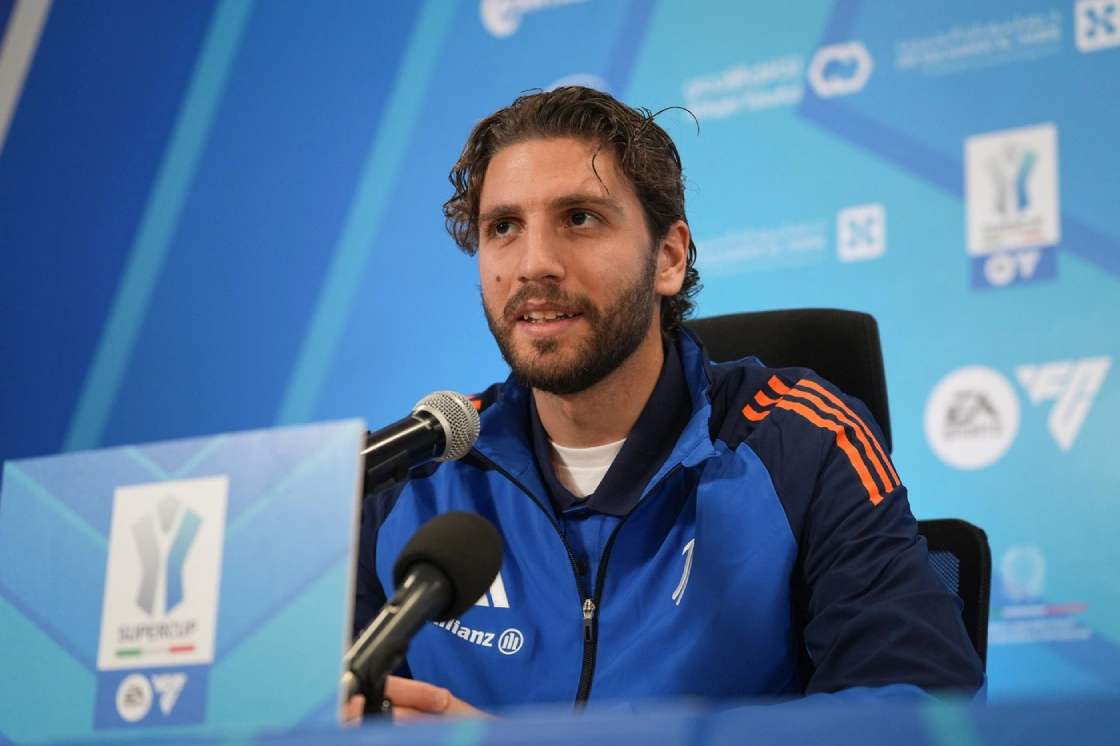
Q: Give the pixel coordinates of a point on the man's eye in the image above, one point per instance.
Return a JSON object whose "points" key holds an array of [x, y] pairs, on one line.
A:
{"points": [[581, 218], [502, 228]]}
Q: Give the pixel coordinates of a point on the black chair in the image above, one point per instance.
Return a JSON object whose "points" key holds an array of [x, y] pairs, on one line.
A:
{"points": [[959, 554], [840, 346], [843, 347]]}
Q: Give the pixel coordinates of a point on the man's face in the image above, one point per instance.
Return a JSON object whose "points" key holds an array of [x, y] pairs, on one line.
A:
{"points": [[566, 262]]}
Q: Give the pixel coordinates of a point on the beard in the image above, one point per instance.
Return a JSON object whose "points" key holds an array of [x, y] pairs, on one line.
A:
{"points": [[615, 333]]}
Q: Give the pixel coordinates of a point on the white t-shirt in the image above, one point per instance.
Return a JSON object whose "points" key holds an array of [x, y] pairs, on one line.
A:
{"points": [[582, 469]]}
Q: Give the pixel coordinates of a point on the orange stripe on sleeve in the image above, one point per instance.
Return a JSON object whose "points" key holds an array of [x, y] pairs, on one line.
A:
{"points": [[752, 415], [763, 400], [834, 399], [871, 456], [778, 386], [845, 445]]}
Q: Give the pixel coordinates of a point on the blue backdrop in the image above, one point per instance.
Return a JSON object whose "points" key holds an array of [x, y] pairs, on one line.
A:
{"points": [[226, 215]]}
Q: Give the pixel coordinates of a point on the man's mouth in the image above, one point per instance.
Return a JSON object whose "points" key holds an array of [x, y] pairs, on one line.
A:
{"points": [[542, 317]]}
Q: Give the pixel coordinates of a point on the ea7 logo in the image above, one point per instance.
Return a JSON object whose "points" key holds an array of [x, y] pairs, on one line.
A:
{"points": [[496, 596], [1072, 384]]}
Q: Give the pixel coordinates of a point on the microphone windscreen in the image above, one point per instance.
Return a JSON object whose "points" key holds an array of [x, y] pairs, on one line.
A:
{"points": [[465, 547], [457, 417]]}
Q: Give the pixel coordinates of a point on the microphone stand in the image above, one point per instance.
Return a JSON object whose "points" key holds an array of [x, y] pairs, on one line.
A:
{"points": [[382, 646]]}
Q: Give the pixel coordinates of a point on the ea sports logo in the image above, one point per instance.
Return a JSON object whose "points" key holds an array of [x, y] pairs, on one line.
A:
{"points": [[134, 698], [511, 641], [972, 417]]}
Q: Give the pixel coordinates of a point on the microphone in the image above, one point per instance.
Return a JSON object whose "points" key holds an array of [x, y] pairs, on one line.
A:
{"points": [[443, 426], [442, 571]]}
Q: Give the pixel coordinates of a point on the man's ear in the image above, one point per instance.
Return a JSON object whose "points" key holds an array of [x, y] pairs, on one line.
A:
{"points": [[672, 258]]}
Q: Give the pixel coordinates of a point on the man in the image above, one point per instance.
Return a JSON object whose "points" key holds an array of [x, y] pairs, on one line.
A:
{"points": [[671, 527]]}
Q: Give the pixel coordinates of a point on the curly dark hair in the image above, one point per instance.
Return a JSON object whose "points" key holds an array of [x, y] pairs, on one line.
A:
{"points": [[645, 153]]}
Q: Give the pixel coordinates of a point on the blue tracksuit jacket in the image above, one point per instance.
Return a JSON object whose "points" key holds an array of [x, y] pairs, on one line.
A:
{"points": [[751, 539]]}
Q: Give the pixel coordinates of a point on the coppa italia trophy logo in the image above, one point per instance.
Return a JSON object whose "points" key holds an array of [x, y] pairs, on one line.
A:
{"points": [[159, 617]]}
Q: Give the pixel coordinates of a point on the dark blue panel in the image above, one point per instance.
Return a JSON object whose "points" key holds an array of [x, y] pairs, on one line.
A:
{"points": [[303, 102], [6, 7], [81, 155]]}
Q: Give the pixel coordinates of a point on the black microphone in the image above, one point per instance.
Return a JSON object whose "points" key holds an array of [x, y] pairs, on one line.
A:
{"points": [[443, 426], [442, 571]]}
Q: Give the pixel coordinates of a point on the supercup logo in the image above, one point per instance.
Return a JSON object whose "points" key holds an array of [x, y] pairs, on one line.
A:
{"points": [[161, 568], [1012, 204], [163, 574], [972, 417]]}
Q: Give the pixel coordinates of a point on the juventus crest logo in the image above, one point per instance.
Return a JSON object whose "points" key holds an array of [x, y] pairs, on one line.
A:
{"points": [[678, 594]]}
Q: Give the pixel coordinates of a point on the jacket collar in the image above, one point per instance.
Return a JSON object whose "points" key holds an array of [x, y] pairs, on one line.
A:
{"points": [[672, 430]]}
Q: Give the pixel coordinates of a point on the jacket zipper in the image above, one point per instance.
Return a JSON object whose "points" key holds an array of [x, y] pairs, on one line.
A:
{"points": [[589, 605]]}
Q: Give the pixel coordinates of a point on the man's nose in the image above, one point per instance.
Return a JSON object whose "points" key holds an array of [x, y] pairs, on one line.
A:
{"points": [[540, 256]]}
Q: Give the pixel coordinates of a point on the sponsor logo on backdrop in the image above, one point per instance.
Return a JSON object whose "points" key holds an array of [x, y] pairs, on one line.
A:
{"points": [[861, 233], [840, 69], [502, 18], [988, 43], [755, 86], [1024, 616], [761, 249], [775, 82], [163, 574], [1072, 385], [1098, 24], [972, 417], [1011, 205]]}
